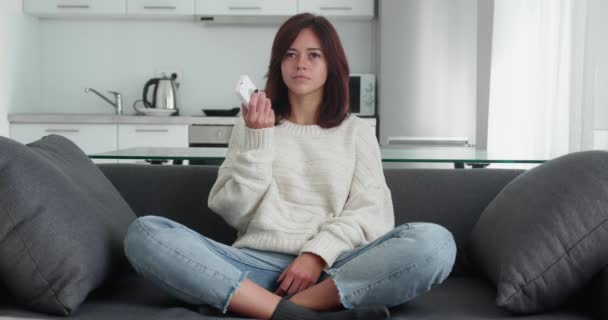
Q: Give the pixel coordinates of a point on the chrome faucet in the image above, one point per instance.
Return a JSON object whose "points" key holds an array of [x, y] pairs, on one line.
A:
{"points": [[117, 99]]}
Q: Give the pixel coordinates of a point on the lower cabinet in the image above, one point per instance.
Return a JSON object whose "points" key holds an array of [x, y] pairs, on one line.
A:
{"points": [[98, 138], [91, 138], [151, 135]]}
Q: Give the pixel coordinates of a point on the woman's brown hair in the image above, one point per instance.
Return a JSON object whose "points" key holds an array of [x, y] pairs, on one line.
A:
{"points": [[334, 107]]}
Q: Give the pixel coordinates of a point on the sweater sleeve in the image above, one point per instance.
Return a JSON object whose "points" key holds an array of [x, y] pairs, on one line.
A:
{"points": [[244, 176], [368, 212]]}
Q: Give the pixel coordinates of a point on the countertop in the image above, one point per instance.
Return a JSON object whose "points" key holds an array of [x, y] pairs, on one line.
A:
{"points": [[97, 118]]}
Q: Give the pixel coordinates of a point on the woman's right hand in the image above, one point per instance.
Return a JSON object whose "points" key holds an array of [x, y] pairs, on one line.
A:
{"points": [[259, 114]]}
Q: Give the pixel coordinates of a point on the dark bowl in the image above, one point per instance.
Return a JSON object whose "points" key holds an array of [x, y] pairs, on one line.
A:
{"points": [[221, 112]]}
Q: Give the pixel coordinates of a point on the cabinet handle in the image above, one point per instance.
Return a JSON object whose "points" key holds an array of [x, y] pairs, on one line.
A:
{"points": [[344, 8], [160, 7], [61, 130], [73, 6], [151, 130], [245, 8]]}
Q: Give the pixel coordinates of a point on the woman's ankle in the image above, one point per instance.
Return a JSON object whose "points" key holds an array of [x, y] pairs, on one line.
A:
{"points": [[323, 296]]}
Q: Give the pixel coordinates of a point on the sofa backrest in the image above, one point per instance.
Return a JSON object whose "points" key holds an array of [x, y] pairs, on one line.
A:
{"points": [[453, 198], [176, 192]]}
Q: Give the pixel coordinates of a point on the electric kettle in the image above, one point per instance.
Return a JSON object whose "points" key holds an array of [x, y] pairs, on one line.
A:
{"points": [[163, 95]]}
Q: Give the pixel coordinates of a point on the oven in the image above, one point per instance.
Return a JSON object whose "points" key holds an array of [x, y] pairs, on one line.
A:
{"points": [[207, 135]]}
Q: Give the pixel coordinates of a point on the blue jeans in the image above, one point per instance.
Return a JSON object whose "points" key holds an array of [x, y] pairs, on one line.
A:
{"points": [[404, 263]]}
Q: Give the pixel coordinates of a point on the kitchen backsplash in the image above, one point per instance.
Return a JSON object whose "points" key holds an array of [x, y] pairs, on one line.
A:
{"points": [[122, 55]]}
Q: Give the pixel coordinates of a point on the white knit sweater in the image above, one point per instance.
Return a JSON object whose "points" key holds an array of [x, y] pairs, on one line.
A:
{"points": [[301, 188]]}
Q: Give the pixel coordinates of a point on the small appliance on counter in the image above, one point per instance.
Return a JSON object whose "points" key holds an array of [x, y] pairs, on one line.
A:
{"points": [[163, 97], [362, 94]]}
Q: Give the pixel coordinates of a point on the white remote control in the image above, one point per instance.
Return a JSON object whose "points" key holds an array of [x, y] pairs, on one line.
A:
{"points": [[244, 89]]}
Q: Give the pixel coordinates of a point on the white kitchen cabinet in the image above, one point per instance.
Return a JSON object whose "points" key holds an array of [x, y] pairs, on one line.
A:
{"points": [[160, 8], [151, 135], [349, 9], [75, 8], [246, 7], [352, 9], [91, 138]]}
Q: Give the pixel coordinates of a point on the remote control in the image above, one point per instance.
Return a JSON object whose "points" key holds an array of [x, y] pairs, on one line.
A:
{"points": [[244, 89]]}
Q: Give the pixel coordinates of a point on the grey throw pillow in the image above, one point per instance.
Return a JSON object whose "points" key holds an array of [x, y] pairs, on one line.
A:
{"points": [[544, 236], [62, 223]]}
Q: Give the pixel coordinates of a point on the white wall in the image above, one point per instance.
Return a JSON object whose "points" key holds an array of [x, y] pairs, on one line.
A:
{"points": [[599, 67], [122, 55], [19, 60]]}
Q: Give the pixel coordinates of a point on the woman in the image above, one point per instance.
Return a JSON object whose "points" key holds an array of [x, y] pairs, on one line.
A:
{"points": [[304, 187]]}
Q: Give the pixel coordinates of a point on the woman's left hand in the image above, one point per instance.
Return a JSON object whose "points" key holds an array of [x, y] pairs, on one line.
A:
{"points": [[302, 273]]}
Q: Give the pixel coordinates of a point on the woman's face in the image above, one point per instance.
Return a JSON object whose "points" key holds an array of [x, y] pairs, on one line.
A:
{"points": [[304, 68]]}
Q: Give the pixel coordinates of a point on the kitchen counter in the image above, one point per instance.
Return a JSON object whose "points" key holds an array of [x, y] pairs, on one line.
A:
{"points": [[96, 118], [95, 133], [104, 118]]}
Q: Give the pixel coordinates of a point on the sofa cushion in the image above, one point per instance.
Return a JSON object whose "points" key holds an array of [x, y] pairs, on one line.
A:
{"points": [[543, 237], [472, 298], [457, 298], [62, 223]]}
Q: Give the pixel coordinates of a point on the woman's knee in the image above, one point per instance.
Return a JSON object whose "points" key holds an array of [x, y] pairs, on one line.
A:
{"points": [[424, 232], [141, 230], [441, 241], [147, 225], [154, 223], [435, 241]]}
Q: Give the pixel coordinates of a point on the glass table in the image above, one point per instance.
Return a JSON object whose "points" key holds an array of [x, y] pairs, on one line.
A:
{"points": [[459, 156]]}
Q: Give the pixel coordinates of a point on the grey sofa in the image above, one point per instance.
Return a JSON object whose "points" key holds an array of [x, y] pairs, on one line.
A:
{"points": [[454, 198]]}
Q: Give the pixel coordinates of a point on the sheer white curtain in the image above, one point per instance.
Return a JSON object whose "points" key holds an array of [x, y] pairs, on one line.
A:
{"points": [[536, 106]]}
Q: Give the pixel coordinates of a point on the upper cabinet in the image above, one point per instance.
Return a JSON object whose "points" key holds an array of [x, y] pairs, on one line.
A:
{"points": [[214, 8], [160, 8], [110, 8], [359, 9], [73, 8], [233, 9]]}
